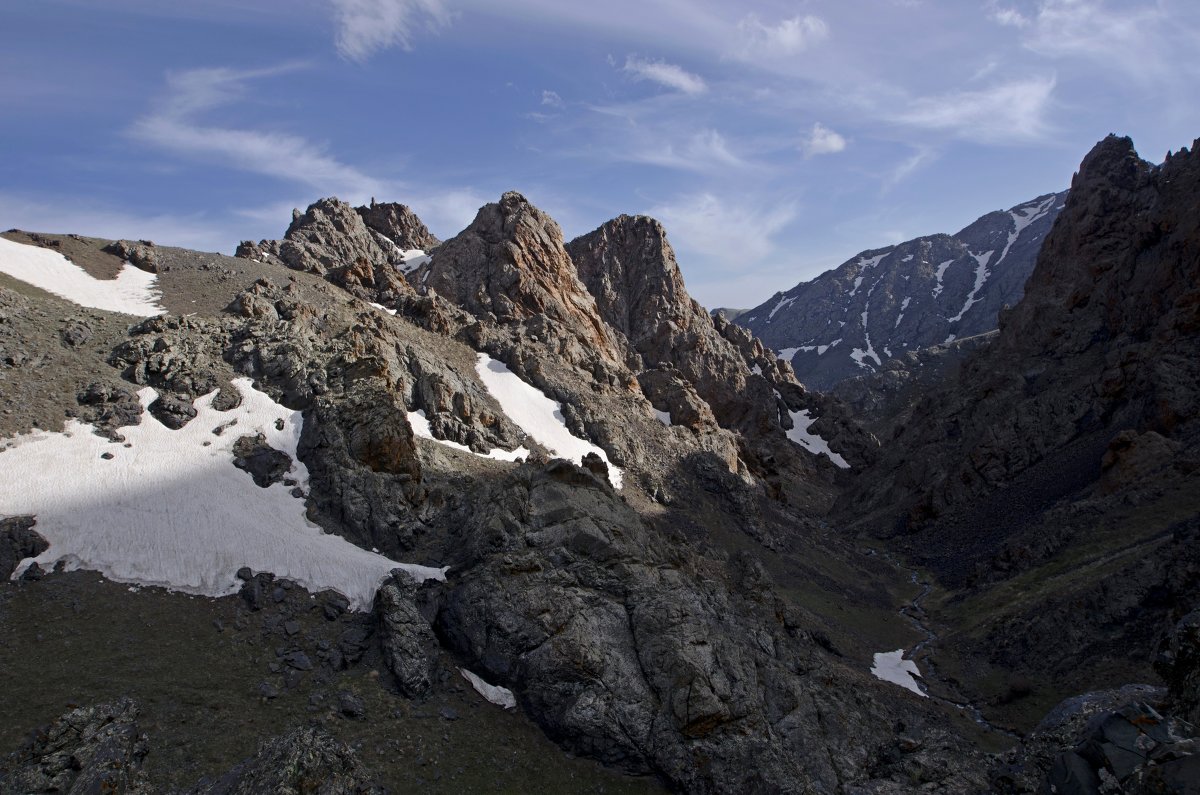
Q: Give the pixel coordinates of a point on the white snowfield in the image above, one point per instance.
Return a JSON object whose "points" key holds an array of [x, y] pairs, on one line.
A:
{"points": [[500, 696], [890, 666], [133, 292], [413, 258], [810, 441], [170, 509], [420, 426], [537, 415]]}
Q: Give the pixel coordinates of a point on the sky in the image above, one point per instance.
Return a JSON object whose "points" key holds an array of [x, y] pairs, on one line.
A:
{"points": [[774, 140]]}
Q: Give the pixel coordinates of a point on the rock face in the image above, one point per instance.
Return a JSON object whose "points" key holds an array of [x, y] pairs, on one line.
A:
{"points": [[640, 654], [406, 636], [18, 541], [360, 249], [399, 224], [90, 749], [510, 264], [853, 320], [1103, 342]]}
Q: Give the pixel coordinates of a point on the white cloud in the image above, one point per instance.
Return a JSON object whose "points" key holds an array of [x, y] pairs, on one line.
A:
{"points": [[1144, 41], [1007, 112], [822, 141], [552, 99], [788, 37], [177, 127], [1007, 16], [721, 231], [365, 27], [665, 74], [705, 151], [907, 167]]}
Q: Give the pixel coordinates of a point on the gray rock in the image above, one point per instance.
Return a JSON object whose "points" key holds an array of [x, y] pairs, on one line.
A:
{"points": [[18, 541], [264, 463], [405, 636], [305, 760], [88, 750]]}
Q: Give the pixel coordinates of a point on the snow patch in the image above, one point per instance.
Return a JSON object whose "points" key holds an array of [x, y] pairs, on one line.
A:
{"points": [[537, 415], [782, 303], [133, 292], [890, 666], [981, 274], [949, 339], [412, 258], [756, 369], [907, 258], [941, 271], [170, 509], [810, 441], [1022, 217], [663, 416], [858, 280], [903, 308], [500, 696], [420, 426], [786, 354]]}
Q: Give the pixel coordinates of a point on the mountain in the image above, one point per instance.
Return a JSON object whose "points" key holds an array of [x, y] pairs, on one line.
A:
{"points": [[884, 302], [360, 509], [1056, 475]]}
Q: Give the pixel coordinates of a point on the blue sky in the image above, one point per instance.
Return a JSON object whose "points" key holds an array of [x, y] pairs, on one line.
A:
{"points": [[773, 139]]}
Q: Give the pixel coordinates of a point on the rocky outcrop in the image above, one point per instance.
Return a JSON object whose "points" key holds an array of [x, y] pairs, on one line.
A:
{"points": [[510, 265], [90, 749], [305, 760], [406, 637], [639, 653], [887, 302], [18, 541], [141, 254], [399, 224], [334, 240]]}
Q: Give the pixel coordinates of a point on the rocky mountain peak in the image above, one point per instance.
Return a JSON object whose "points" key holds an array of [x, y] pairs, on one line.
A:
{"points": [[630, 268], [398, 223], [511, 265]]}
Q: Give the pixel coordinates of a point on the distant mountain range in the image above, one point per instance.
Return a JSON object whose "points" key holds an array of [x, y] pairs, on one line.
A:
{"points": [[883, 302]]}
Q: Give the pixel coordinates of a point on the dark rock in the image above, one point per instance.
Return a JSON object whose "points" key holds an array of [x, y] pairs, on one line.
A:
{"points": [[76, 334], [304, 761], [351, 705], [405, 636], [267, 690], [141, 254], [18, 541], [110, 406], [173, 411], [264, 463], [96, 749], [254, 591]]}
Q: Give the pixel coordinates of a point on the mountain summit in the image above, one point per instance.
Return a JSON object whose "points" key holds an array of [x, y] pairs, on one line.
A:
{"points": [[885, 302]]}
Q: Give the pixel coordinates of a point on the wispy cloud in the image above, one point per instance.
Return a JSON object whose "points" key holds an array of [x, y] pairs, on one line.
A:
{"points": [[787, 37], [722, 231], [1140, 40], [907, 167], [1008, 112], [364, 27], [178, 126], [822, 141], [552, 99], [705, 151], [665, 74]]}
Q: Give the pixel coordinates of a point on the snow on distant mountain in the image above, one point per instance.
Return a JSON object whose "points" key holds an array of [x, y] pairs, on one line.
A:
{"points": [[930, 291]]}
